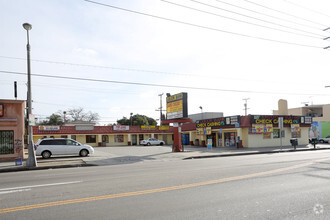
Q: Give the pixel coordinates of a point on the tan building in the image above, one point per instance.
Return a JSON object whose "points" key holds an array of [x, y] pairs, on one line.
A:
{"points": [[11, 129], [319, 113]]}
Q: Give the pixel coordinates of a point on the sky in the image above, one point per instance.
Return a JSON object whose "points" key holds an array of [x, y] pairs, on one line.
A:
{"points": [[220, 52]]}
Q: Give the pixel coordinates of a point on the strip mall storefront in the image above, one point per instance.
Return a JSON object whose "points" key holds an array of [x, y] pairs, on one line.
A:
{"points": [[105, 135], [233, 131], [251, 131], [11, 129]]}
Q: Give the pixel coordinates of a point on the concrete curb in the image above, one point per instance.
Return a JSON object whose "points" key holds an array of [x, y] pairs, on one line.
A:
{"points": [[24, 168], [252, 153]]}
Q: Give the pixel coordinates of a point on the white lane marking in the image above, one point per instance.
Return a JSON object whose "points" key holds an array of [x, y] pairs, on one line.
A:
{"points": [[14, 191], [34, 186]]}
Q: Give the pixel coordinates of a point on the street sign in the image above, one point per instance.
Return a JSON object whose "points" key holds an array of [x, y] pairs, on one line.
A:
{"points": [[280, 122]]}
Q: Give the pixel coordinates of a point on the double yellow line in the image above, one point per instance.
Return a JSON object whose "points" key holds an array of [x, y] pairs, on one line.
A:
{"points": [[165, 189]]}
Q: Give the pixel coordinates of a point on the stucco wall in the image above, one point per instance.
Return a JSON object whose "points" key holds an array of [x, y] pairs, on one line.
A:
{"points": [[13, 120], [257, 140]]}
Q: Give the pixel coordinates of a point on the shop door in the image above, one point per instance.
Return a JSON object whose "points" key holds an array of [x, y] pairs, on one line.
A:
{"points": [[185, 139], [230, 138], [105, 140], [134, 139], [214, 139], [140, 137]]}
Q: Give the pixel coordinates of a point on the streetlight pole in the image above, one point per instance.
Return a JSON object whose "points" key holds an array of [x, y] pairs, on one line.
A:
{"points": [[161, 108], [131, 118], [31, 161]]}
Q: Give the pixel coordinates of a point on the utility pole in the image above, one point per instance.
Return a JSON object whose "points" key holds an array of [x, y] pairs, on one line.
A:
{"points": [[161, 108], [245, 105], [31, 160]]}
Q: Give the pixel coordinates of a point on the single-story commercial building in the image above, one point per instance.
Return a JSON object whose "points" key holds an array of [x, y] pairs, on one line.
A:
{"points": [[232, 131], [251, 131], [105, 135]]}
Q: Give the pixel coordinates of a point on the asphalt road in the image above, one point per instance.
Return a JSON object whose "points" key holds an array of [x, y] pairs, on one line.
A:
{"points": [[275, 186]]}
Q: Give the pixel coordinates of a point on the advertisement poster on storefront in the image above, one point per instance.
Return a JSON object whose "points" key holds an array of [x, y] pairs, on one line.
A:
{"points": [[295, 128], [269, 128], [258, 128]]}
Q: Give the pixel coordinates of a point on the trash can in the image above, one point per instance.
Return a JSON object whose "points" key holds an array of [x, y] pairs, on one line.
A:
{"points": [[314, 142], [294, 142]]}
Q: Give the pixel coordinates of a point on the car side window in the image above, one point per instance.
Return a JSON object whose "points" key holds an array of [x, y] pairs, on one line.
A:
{"points": [[69, 142]]}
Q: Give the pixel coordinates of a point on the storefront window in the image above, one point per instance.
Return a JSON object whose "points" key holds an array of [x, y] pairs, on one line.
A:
{"points": [[90, 138], [6, 142], [119, 138], [73, 137]]}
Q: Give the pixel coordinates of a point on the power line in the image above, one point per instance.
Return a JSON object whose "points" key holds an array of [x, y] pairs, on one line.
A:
{"points": [[144, 70], [285, 13], [267, 15], [158, 85], [308, 9], [201, 26], [247, 16]]}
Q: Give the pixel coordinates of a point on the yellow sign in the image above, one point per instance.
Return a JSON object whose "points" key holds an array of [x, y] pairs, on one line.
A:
{"points": [[164, 127], [208, 130], [174, 97], [148, 127], [269, 128], [174, 106], [200, 131]]}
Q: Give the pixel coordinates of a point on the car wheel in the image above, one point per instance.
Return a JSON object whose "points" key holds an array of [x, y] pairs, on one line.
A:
{"points": [[83, 153], [46, 154], [322, 141], [161, 144], [148, 144]]}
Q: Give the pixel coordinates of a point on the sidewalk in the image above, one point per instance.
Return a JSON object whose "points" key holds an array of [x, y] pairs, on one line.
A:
{"points": [[136, 154]]}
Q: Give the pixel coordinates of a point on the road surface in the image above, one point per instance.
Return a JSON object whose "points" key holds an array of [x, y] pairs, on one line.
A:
{"points": [[274, 186]]}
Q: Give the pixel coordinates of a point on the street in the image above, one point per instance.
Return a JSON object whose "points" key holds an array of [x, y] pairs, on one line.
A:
{"points": [[266, 186]]}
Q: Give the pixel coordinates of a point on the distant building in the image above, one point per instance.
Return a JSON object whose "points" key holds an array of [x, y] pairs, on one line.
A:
{"points": [[205, 115], [319, 113]]}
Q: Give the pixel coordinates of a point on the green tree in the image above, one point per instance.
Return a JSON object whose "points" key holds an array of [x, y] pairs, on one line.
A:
{"points": [[54, 119], [137, 120]]}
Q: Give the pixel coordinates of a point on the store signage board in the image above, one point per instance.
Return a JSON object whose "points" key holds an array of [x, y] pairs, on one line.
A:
{"points": [[49, 128], [177, 106], [219, 122], [120, 128]]}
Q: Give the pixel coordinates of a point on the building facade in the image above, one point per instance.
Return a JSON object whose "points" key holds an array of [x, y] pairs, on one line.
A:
{"points": [[233, 131], [11, 129]]}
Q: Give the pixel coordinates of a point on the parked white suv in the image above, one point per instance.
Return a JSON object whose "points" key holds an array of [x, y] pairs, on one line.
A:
{"points": [[61, 146]]}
